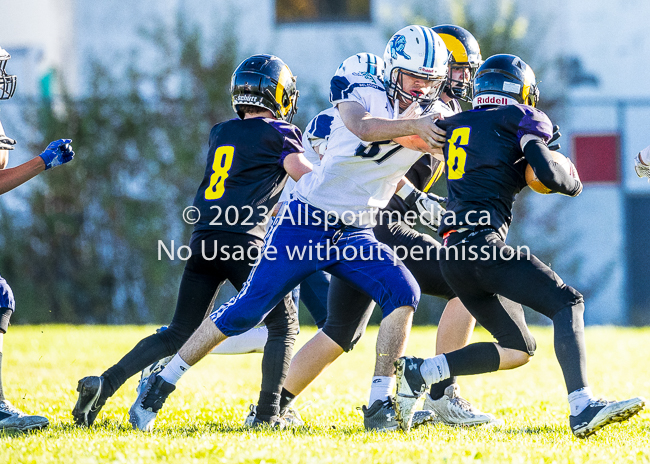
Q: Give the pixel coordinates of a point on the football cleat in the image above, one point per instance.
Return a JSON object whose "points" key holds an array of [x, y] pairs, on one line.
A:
{"points": [[254, 422], [292, 418], [380, 417], [452, 409], [13, 419], [90, 400], [410, 387], [151, 398], [600, 413], [154, 368]]}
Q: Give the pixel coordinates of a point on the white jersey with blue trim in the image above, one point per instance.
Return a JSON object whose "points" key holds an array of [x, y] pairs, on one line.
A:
{"points": [[356, 178], [310, 153]]}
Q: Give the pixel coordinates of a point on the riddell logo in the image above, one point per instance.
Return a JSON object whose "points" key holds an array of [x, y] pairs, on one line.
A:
{"points": [[493, 100]]}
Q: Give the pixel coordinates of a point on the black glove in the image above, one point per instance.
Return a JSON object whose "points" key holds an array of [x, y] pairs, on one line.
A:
{"points": [[556, 135], [6, 143]]}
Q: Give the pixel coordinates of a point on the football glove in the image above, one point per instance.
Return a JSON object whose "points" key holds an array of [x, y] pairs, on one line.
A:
{"points": [[6, 143], [556, 135], [427, 205], [57, 153], [642, 169]]}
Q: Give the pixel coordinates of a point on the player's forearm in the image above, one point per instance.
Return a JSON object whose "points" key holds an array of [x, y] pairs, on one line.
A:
{"points": [[297, 165], [13, 177], [373, 129], [550, 173]]}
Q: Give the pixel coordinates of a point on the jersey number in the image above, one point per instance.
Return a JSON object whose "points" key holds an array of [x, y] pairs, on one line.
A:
{"points": [[457, 156], [372, 150], [220, 166]]}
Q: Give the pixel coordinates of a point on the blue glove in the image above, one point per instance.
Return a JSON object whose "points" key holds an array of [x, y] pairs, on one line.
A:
{"points": [[56, 153]]}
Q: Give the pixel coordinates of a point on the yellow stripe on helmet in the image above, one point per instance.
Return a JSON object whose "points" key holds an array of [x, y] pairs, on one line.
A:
{"points": [[456, 47], [284, 78]]}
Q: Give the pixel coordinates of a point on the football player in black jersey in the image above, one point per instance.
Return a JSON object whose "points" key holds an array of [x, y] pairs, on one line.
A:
{"points": [[396, 230], [486, 153], [59, 152], [247, 166]]}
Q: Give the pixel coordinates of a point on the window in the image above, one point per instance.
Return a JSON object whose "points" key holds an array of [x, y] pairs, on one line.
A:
{"points": [[596, 157], [293, 11]]}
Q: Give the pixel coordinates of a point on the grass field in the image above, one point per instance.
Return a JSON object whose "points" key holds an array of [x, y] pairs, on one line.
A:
{"points": [[202, 420]]}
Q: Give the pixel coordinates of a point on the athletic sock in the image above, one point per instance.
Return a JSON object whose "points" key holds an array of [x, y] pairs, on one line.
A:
{"points": [[477, 358], [174, 370], [381, 388], [435, 369], [580, 399], [286, 399], [268, 406], [438, 389]]}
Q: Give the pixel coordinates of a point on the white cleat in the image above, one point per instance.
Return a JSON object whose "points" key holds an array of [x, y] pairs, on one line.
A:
{"points": [[452, 409]]}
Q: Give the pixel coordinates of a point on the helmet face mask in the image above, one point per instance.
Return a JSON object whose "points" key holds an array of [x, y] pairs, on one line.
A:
{"points": [[7, 81], [265, 81], [403, 94], [505, 80], [418, 52]]}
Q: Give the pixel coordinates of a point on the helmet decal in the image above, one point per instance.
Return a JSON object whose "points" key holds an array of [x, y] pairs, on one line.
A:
{"points": [[397, 45]]}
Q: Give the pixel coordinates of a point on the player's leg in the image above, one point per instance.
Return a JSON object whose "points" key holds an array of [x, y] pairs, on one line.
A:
{"points": [[313, 293], [531, 282], [419, 253], [388, 282], [11, 418], [348, 313], [199, 283], [263, 290]]}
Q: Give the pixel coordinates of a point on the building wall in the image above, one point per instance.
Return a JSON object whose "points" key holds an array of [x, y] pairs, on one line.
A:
{"points": [[609, 38]]}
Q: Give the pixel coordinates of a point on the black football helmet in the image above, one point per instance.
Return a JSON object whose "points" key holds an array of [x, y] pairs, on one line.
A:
{"points": [[265, 81], [505, 80], [464, 53], [7, 81]]}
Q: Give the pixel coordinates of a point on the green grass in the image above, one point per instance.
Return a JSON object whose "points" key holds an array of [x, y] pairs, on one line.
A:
{"points": [[201, 422]]}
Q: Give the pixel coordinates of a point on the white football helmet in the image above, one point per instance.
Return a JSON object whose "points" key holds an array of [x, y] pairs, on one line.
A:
{"points": [[361, 62], [7, 81], [420, 52]]}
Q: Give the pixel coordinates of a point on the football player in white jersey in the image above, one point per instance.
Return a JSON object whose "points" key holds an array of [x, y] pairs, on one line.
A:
{"points": [[456, 324], [327, 226]]}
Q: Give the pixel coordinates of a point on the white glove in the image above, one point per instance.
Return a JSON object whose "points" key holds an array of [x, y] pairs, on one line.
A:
{"points": [[427, 205], [641, 165], [6, 143]]}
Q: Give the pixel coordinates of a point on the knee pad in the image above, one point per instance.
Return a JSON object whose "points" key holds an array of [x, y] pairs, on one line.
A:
{"points": [[345, 336]]}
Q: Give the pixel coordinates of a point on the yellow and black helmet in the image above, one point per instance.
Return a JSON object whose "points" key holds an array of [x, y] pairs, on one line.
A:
{"points": [[505, 80], [464, 53], [265, 81]]}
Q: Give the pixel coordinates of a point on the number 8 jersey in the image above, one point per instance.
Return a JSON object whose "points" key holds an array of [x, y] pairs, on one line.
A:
{"points": [[245, 174], [356, 178]]}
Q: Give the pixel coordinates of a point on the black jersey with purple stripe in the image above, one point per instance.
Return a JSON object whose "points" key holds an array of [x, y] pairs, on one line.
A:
{"points": [[484, 163], [244, 174]]}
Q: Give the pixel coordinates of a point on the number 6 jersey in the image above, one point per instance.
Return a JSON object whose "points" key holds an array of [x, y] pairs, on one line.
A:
{"points": [[245, 174]]}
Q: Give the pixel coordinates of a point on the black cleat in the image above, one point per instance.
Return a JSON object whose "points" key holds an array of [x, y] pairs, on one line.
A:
{"points": [[90, 400]]}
